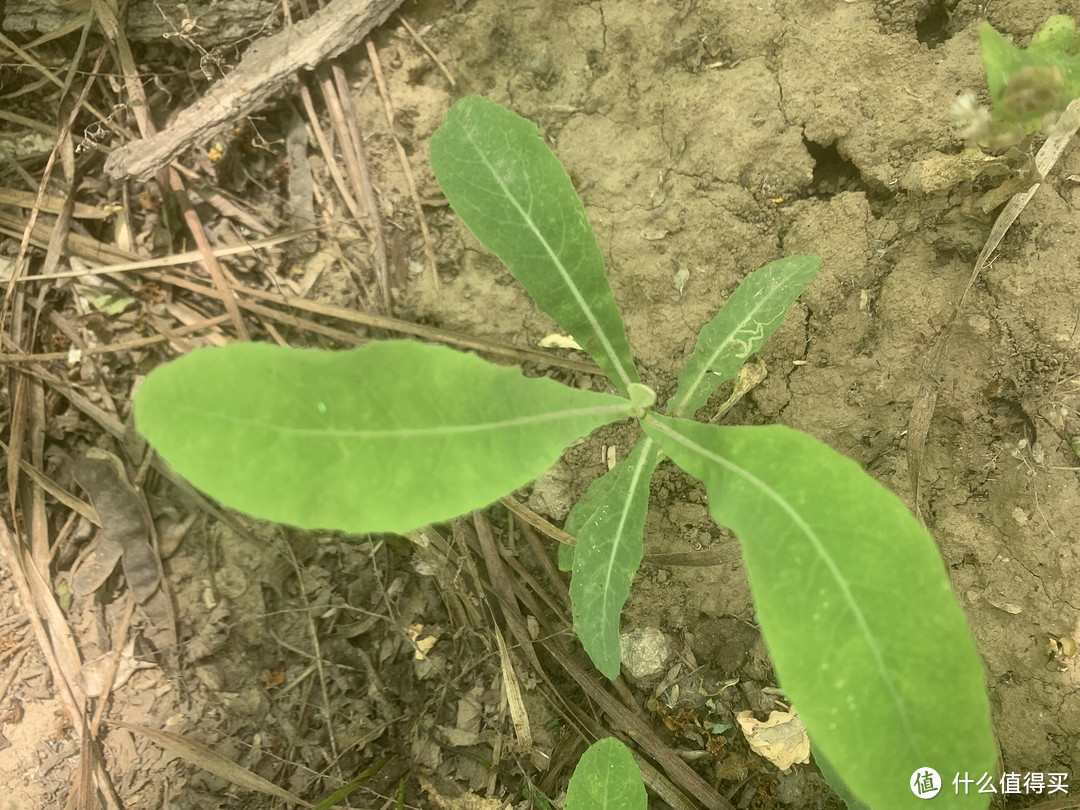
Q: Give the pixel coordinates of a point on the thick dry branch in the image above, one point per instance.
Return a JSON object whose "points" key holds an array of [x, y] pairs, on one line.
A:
{"points": [[264, 69]]}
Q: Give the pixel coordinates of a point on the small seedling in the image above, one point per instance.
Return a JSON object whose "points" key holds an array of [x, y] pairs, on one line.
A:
{"points": [[1029, 87], [850, 591]]}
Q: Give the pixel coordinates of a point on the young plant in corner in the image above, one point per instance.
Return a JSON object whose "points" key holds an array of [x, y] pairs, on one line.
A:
{"points": [[1030, 88], [850, 591]]}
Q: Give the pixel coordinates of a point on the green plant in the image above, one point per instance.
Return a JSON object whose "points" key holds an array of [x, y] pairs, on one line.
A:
{"points": [[606, 778], [850, 591], [1029, 87]]}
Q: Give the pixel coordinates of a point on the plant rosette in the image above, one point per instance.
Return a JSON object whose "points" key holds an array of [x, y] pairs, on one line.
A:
{"points": [[851, 594]]}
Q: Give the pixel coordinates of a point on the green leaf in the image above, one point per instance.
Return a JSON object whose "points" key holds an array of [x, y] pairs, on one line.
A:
{"points": [[833, 780], [507, 186], [606, 778], [1027, 83], [851, 594], [641, 399], [609, 523], [387, 437], [748, 318], [335, 798]]}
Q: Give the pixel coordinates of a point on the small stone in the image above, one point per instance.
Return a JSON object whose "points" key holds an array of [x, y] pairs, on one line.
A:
{"points": [[645, 653]]}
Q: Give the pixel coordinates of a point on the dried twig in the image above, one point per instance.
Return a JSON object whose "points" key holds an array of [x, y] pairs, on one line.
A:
{"points": [[264, 69], [403, 159], [673, 768], [329, 158], [438, 62], [379, 322], [217, 275], [336, 94]]}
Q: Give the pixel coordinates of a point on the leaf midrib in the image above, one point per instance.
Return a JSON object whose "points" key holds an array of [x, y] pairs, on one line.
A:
{"points": [[681, 404], [609, 569], [437, 430], [609, 349], [815, 542]]}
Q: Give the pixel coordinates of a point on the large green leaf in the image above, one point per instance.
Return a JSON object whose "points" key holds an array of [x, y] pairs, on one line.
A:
{"points": [[387, 437], [855, 605], [507, 186], [609, 524], [606, 778], [748, 318]]}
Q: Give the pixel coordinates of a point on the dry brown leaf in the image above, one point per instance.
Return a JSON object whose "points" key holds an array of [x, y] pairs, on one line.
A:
{"points": [[124, 521], [781, 739], [92, 677], [518, 713]]}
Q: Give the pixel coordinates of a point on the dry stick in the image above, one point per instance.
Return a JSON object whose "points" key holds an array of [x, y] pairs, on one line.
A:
{"points": [[20, 403], [20, 386], [542, 524], [50, 204], [81, 796], [265, 68], [339, 335], [115, 428], [54, 252], [316, 651], [107, 255], [15, 560], [511, 685], [83, 246], [568, 711], [62, 638], [502, 584], [20, 653], [671, 765], [87, 752], [113, 664], [172, 260], [108, 421], [655, 780], [554, 576], [922, 411], [403, 159], [208, 759], [352, 146], [528, 600], [18, 383], [168, 178], [217, 275], [525, 576], [381, 322], [327, 152], [115, 348], [77, 506], [40, 551], [53, 78], [438, 62]]}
